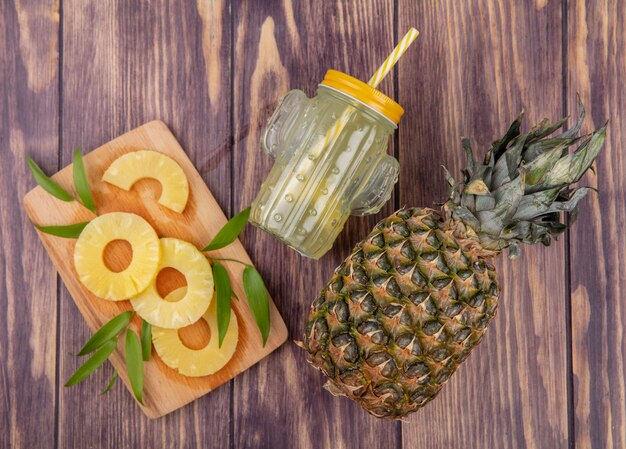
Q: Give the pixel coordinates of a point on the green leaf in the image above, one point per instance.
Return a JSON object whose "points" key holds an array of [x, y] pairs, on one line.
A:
{"points": [[146, 340], [571, 167], [107, 332], [94, 362], [134, 364], [229, 233], [110, 384], [71, 231], [81, 183], [543, 163], [469, 155], [223, 292], [572, 132], [46, 183], [257, 299]]}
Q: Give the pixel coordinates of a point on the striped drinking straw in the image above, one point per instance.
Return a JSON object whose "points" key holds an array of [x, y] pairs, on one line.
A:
{"points": [[395, 55]]}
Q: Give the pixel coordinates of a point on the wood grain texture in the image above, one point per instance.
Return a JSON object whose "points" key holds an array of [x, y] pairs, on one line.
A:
{"points": [[281, 46], [474, 65], [480, 63], [125, 63], [596, 67], [29, 124], [164, 389]]}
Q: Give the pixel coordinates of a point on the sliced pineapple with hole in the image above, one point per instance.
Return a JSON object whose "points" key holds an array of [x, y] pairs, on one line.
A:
{"points": [[187, 259], [126, 170], [89, 255], [196, 362]]}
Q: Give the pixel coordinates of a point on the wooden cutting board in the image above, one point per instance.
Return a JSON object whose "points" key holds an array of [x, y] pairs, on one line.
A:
{"points": [[164, 389]]}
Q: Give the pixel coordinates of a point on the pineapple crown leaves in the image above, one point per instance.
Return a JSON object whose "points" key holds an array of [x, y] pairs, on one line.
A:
{"points": [[518, 192]]}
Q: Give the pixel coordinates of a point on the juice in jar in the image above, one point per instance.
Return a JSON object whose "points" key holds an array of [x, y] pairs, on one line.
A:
{"points": [[331, 161]]}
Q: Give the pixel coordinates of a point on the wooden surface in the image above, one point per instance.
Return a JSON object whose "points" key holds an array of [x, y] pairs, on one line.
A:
{"points": [[164, 390], [550, 373]]}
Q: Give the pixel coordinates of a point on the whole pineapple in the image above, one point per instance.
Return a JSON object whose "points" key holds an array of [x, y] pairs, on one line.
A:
{"points": [[417, 294]]}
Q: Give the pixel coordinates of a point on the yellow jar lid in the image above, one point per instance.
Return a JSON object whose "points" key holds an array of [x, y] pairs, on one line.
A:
{"points": [[364, 93]]}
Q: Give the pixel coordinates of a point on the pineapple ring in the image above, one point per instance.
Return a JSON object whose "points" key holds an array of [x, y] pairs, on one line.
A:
{"points": [[196, 362], [129, 168], [89, 250], [186, 258]]}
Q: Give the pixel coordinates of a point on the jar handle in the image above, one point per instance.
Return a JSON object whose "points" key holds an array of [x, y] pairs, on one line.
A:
{"points": [[281, 121], [377, 190]]}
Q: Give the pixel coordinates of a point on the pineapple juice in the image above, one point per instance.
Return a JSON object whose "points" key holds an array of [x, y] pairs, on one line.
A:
{"points": [[331, 161]]}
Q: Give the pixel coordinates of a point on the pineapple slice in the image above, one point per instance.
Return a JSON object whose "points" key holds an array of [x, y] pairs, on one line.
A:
{"points": [[89, 249], [187, 259], [131, 167], [196, 362]]}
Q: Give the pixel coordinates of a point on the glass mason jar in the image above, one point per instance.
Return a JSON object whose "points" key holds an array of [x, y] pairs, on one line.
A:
{"points": [[331, 161]]}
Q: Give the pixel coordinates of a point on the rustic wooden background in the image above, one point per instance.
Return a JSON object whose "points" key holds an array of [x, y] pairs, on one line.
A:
{"points": [[550, 373]]}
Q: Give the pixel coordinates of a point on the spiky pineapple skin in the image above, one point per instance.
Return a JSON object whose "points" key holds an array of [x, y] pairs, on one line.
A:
{"points": [[402, 312]]}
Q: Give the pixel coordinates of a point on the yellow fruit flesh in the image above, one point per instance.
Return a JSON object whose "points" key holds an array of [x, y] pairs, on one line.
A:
{"points": [[187, 259], [131, 167], [196, 362], [89, 252]]}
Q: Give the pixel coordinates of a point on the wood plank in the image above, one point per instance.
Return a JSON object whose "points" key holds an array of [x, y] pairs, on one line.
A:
{"points": [[164, 389], [126, 63], [477, 63], [596, 67], [29, 121], [283, 45]]}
